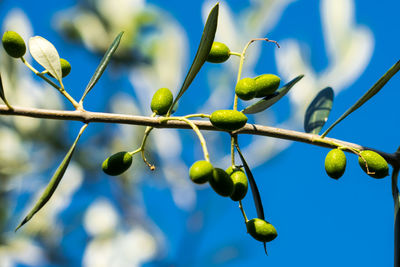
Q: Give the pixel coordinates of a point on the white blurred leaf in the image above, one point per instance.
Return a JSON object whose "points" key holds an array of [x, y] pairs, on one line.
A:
{"points": [[46, 55]]}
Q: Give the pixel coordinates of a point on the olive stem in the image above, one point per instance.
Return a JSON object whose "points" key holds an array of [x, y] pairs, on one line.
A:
{"points": [[243, 212], [196, 130], [197, 115], [235, 54], [60, 89], [142, 146]]}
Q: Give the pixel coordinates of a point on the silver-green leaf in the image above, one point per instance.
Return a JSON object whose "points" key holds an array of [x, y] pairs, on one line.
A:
{"points": [[268, 101], [55, 180], [102, 66], [46, 55], [206, 42], [318, 111], [370, 93]]}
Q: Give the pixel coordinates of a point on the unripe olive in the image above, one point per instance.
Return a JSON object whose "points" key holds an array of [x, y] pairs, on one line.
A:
{"points": [[231, 170], [335, 163], [240, 185], [266, 84], [377, 165], [161, 101], [117, 163], [65, 67], [201, 171], [246, 89], [14, 44], [229, 120], [221, 182], [261, 230], [219, 53]]}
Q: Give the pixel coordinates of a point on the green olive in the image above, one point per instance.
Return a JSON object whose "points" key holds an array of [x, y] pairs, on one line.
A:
{"points": [[266, 84], [231, 170], [201, 171], [117, 163], [65, 67], [221, 182], [161, 101], [246, 89], [261, 230], [228, 120], [14, 44], [240, 185], [219, 53], [377, 165], [335, 163]]}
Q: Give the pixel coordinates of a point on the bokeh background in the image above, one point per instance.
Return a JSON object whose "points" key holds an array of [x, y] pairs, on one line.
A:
{"points": [[160, 218]]}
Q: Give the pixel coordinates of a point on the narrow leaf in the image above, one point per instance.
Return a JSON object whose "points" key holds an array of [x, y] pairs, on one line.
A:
{"points": [[268, 101], [370, 93], [102, 66], [318, 111], [46, 55], [396, 198], [2, 95], [206, 42], [55, 180], [253, 186], [254, 191]]}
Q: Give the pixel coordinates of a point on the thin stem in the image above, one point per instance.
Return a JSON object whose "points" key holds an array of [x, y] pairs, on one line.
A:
{"points": [[197, 116], [146, 134], [235, 54], [253, 129], [61, 89], [196, 130], [243, 213]]}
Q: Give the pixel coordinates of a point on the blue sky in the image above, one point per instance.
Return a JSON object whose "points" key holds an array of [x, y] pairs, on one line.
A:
{"points": [[320, 221]]}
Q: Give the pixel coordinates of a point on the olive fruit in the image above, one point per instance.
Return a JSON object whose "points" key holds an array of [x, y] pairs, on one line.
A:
{"points": [[261, 230], [221, 182], [377, 165], [219, 53], [65, 67], [117, 163], [246, 89], [240, 185], [335, 163], [14, 44], [228, 120], [266, 84], [231, 170], [161, 101], [201, 171]]}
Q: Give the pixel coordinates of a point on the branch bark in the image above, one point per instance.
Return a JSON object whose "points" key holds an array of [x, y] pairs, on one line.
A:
{"points": [[252, 129]]}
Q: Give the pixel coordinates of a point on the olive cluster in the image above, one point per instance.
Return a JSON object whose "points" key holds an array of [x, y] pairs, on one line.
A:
{"points": [[371, 162], [233, 181]]}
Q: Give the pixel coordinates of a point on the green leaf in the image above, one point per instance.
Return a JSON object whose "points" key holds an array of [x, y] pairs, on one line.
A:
{"points": [[46, 55], [396, 198], [253, 186], [2, 95], [254, 190], [102, 66], [206, 42], [370, 93], [268, 101], [55, 180], [318, 111]]}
